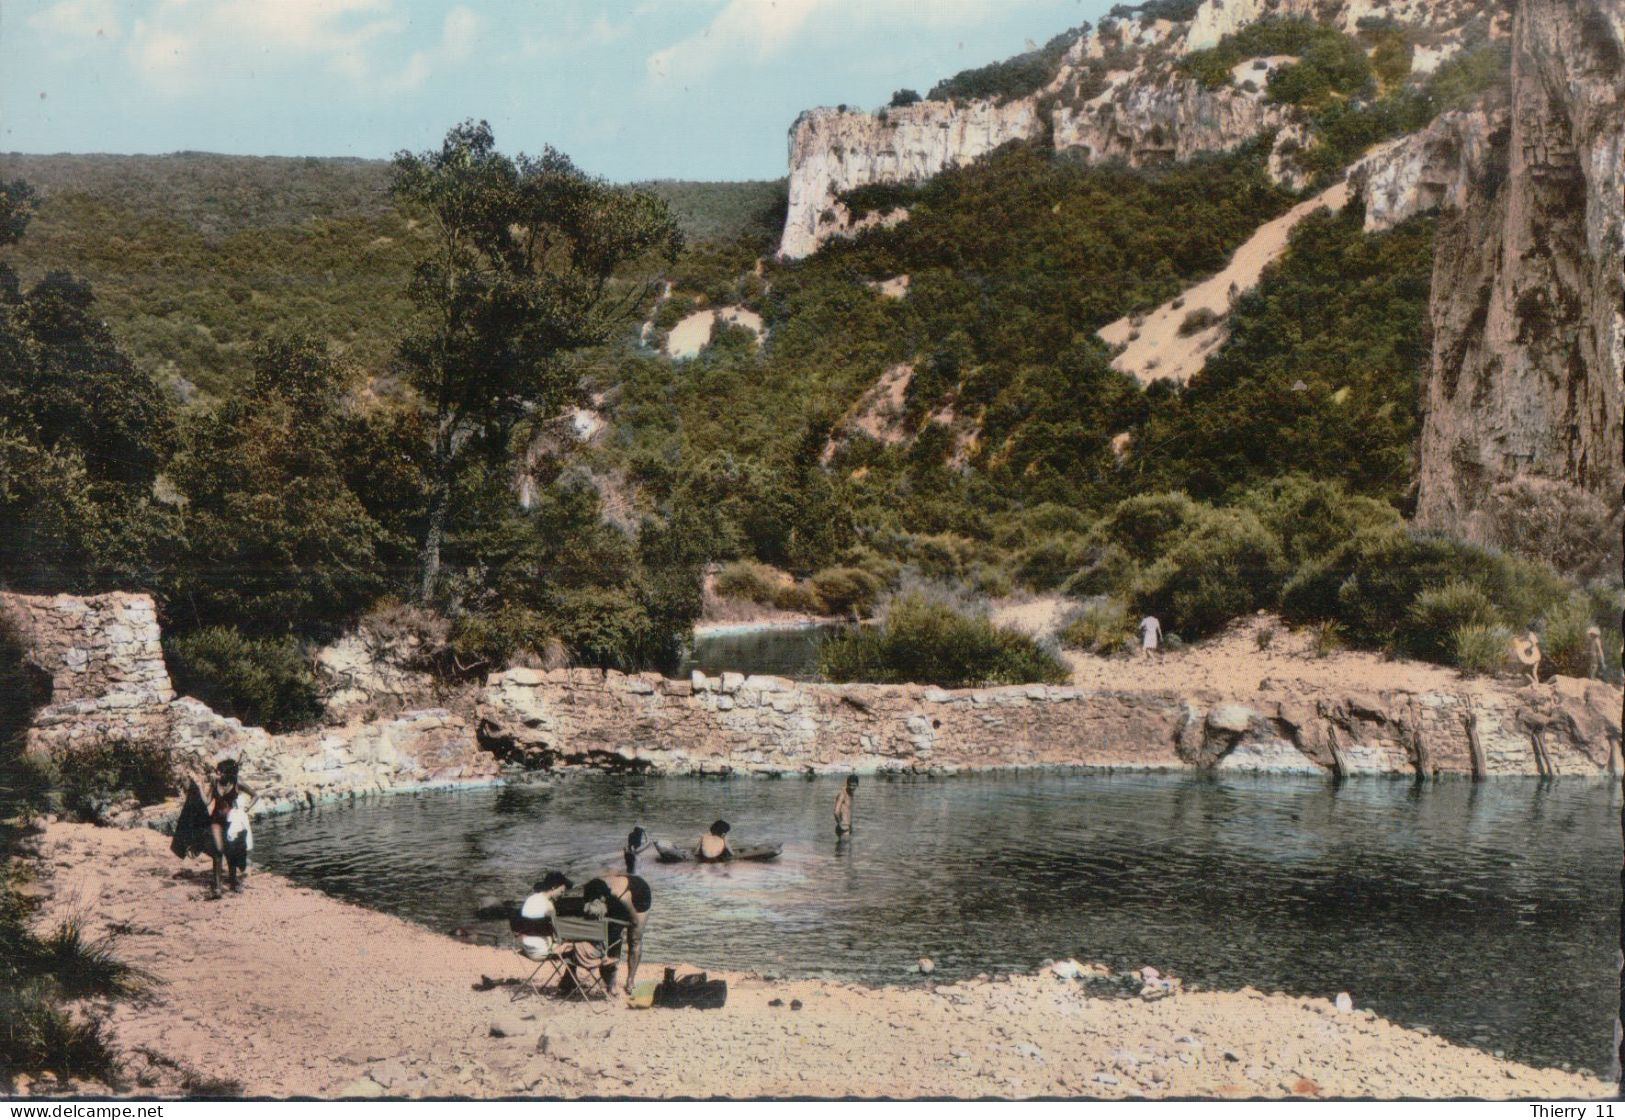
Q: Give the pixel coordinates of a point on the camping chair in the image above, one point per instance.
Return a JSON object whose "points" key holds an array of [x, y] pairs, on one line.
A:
{"points": [[562, 960]]}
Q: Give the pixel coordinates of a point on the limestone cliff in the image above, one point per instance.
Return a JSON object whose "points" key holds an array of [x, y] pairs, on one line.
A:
{"points": [[1116, 95], [1527, 289]]}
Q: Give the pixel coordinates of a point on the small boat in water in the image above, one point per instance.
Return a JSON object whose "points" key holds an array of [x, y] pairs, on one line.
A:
{"points": [[759, 854]]}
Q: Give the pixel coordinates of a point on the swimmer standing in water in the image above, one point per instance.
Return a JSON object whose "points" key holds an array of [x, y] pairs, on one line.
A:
{"points": [[843, 806]]}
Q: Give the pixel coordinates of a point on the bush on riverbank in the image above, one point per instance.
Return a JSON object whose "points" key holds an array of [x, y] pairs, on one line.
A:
{"points": [[91, 780], [923, 641], [265, 682]]}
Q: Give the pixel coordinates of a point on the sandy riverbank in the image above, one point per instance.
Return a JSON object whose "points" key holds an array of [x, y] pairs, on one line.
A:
{"points": [[292, 993]]}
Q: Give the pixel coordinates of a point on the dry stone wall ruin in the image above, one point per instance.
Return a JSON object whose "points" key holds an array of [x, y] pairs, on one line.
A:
{"points": [[105, 659]]}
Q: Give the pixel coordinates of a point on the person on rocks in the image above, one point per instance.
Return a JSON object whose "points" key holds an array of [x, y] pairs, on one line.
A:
{"points": [[1596, 663], [625, 899], [1150, 635], [713, 845], [534, 926], [1527, 651], [843, 806], [228, 802], [637, 842]]}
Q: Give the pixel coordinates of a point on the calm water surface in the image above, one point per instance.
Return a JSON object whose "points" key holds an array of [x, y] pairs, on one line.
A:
{"points": [[780, 651], [1489, 913]]}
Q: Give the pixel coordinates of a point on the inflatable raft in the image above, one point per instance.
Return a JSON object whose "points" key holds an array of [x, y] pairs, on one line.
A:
{"points": [[759, 854]]}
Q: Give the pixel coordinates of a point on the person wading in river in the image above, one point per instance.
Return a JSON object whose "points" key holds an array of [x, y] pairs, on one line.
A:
{"points": [[843, 806], [637, 842]]}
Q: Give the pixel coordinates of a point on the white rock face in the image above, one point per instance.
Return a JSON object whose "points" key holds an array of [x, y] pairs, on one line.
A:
{"points": [[832, 152], [1424, 171], [1143, 112]]}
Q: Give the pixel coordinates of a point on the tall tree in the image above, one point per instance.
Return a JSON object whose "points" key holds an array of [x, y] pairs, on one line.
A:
{"points": [[532, 259]]}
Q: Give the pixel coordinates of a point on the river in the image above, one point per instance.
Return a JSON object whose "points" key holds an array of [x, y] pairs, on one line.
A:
{"points": [[1488, 913]]}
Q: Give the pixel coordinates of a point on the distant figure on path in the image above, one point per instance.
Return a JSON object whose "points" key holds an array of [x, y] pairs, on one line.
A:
{"points": [[535, 928], [1150, 635], [627, 899], [637, 842], [843, 806], [714, 845], [1527, 651], [1596, 663]]}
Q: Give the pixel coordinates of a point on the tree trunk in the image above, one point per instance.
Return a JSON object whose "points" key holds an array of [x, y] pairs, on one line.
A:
{"points": [[1474, 746], [439, 504]]}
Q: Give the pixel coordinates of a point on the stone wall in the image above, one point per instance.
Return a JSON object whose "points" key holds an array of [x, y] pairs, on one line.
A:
{"points": [[540, 719], [737, 723], [109, 683], [105, 662]]}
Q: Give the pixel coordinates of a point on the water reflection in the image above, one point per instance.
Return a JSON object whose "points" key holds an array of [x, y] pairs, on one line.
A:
{"points": [[1487, 912], [780, 651]]}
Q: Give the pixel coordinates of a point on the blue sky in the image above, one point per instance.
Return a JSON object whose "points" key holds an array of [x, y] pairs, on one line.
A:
{"points": [[631, 89]]}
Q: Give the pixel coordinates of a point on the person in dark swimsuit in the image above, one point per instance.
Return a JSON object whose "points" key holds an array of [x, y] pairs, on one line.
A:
{"points": [[637, 842], [626, 898], [223, 794], [714, 844]]}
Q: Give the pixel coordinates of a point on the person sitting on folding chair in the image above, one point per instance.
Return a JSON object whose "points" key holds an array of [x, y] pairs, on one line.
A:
{"points": [[627, 900], [536, 914]]}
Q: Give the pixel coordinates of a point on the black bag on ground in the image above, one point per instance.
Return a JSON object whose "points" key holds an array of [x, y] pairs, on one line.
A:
{"points": [[192, 835], [694, 990]]}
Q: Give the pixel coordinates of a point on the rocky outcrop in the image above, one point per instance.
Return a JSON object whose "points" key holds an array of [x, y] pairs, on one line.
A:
{"points": [[1144, 124], [1116, 95], [832, 151], [1527, 310], [1431, 170], [735, 723]]}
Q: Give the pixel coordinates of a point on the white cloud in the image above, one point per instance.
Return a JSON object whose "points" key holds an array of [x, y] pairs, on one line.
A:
{"points": [[76, 21], [186, 43], [754, 32]]}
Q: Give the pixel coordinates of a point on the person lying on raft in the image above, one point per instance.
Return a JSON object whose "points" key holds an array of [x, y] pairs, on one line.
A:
{"points": [[714, 844], [637, 842], [535, 925], [626, 899]]}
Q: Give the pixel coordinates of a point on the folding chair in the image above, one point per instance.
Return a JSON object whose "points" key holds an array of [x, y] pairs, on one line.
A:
{"points": [[563, 958]]}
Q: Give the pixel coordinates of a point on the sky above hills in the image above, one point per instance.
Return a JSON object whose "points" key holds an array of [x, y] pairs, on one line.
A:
{"points": [[631, 89]]}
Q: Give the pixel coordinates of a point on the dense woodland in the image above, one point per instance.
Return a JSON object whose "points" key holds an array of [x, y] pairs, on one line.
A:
{"points": [[244, 423]]}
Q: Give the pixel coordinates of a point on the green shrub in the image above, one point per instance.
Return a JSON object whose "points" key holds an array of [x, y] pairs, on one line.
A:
{"points": [[1050, 562], [92, 779], [83, 968], [1480, 649], [485, 641], [847, 591], [1438, 613], [750, 581], [1574, 531], [267, 682], [1326, 638], [928, 642], [1102, 627], [38, 1036], [1311, 517], [793, 596], [1565, 646], [1226, 565], [1198, 320], [1371, 582]]}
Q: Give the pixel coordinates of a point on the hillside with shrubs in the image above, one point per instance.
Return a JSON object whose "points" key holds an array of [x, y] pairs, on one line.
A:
{"points": [[231, 424]]}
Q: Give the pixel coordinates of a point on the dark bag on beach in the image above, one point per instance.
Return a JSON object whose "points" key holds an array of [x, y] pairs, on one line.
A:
{"points": [[694, 990], [192, 834]]}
